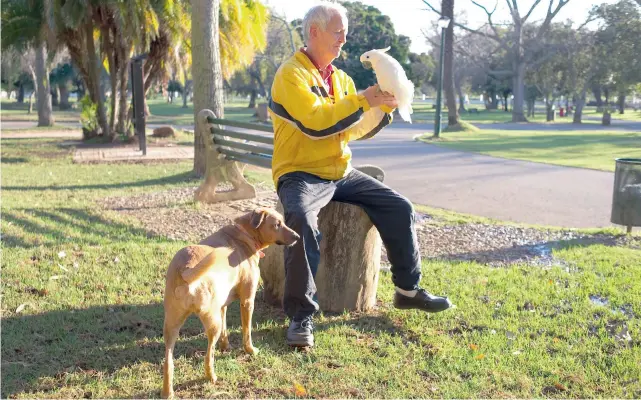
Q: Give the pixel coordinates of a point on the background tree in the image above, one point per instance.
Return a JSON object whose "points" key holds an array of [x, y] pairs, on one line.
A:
{"points": [[23, 27], [513, 42], [447, 7], [369, 29]]}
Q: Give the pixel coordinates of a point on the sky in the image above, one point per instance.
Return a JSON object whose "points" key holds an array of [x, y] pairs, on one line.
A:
{"points": [[410, 16]]}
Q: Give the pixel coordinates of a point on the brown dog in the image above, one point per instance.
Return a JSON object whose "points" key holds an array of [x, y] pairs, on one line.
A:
{"points": [[204, 279]]}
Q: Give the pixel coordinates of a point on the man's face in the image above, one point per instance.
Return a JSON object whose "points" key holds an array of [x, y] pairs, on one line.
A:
{"points": [[332, 39]]}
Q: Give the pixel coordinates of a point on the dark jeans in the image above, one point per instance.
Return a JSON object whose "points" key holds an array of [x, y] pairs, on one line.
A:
{"points": [[303, 195]]}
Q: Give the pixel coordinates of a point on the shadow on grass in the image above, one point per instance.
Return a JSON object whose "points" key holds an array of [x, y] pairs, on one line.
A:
{"points": [[165, 180], [106, 339], [14, 160], [531, 254], [67, 224]]}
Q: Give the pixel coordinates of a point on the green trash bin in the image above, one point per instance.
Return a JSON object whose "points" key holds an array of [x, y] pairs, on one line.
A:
{"points": [[626, 196]]}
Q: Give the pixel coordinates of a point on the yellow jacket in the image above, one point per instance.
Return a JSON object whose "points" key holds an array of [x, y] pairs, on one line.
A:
{"points": [[311, 131]]}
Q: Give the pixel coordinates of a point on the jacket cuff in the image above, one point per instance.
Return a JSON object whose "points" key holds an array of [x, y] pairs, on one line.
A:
{"points": [[362, 102], [387, 109]]}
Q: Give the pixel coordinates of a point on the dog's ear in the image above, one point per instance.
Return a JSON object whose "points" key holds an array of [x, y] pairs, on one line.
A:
{"points": [[257, 218]]}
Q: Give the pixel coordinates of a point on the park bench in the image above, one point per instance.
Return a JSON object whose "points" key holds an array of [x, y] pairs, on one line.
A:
{"points": [[347, 275]]}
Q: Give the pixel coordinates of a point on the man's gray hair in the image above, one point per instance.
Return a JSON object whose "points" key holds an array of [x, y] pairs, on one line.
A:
{"points": [[320, 15]]}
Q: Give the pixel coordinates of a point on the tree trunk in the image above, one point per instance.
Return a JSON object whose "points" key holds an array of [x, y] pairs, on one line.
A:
{"points": [[64, 96], [206, 70], [185, 90], [447, 7], [55, 96], [43, 89], [347, 275], [549, 109], [252, 98], [95, 89], [20, 96], [518, 92], [621, 103], [123, 105], [461, 96], [30, 110], [580, 103], [596, 90]]}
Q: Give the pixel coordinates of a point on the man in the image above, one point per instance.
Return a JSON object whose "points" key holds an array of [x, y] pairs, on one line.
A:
{"points": [[316, 111]]}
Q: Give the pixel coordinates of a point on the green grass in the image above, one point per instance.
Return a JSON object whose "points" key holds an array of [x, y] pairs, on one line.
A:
{"points": [[584, 149], [423, 112], [89, 288], [161, 112]]}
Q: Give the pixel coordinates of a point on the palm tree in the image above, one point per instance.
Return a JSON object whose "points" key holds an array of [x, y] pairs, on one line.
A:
{"points": [[225, 36]]}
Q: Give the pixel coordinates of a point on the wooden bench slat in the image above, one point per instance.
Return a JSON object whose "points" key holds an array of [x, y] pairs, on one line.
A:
{"points": [[247, 158], [242, 135], [239, 124], [218, 140]]}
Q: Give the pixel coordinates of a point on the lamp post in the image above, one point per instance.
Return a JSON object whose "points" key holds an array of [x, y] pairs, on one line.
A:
{"points": [[443, 23]]}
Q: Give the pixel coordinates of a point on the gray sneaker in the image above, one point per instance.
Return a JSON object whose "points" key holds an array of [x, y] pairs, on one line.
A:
{"points": [[300, 333]]}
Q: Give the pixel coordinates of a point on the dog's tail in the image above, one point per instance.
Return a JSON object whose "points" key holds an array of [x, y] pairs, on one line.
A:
{"points": [[193, 274]]}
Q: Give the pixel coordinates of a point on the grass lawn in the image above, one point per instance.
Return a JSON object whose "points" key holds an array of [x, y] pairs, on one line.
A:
{"points": [[161, 112], [585, 149], [82, 310], [174, 114]]}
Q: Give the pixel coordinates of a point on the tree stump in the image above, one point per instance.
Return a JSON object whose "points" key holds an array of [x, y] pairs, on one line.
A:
{"points": [[347, 276], [607, 119]]}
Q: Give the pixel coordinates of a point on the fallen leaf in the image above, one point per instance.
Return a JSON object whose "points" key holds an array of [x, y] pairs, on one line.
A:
{"points": [[62, 254], [480, 356], [21, 307], [560, 387], [474, 347], [299, 390], [556, 340]]}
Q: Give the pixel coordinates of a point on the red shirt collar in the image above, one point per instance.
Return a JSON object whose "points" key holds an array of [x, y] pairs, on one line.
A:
{"points": [[325, 73]]}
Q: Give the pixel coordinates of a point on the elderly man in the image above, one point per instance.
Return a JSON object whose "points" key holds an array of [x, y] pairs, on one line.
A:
{"points": [[316, 112]]}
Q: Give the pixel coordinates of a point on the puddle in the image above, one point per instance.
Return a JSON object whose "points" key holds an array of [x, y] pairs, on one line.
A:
{"points": [[598, 300]]}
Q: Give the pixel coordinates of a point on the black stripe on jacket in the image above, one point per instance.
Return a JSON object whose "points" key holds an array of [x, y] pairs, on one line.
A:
{"points": [[339, 126], [319, 91], [387, 119]]}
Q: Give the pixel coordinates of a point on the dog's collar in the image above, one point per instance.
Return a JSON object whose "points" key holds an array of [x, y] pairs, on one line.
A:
{"points": [[252, 242]]}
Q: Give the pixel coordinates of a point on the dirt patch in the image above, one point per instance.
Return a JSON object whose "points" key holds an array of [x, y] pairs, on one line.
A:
{"points": [[174, 214]]}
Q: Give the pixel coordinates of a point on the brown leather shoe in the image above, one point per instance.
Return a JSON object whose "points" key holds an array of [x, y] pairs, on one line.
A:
{"points": [[422, 301]]}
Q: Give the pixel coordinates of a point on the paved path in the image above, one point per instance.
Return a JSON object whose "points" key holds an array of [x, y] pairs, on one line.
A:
{"points": [[510, 190], [498, 188]]}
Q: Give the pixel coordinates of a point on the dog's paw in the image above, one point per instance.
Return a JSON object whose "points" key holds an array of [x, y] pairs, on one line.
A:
{"points": [[251, 350], [224, 346], [211, 377], [167, 395]]}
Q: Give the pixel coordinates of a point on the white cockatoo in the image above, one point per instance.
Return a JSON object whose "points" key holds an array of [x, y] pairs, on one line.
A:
{"points": [[392, 79]]}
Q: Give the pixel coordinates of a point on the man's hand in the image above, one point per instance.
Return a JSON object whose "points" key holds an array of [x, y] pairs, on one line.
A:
{"points": [[376, 97]]}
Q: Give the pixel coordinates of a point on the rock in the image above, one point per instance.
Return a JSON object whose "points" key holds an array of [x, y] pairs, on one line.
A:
{"points": [[164, 132]]}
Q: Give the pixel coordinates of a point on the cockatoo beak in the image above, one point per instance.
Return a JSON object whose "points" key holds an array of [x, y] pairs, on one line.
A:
{"points": [[367, 64]]}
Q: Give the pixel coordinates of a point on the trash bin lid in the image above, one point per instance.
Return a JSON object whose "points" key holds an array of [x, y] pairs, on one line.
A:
{"points": [[628, 161]]}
